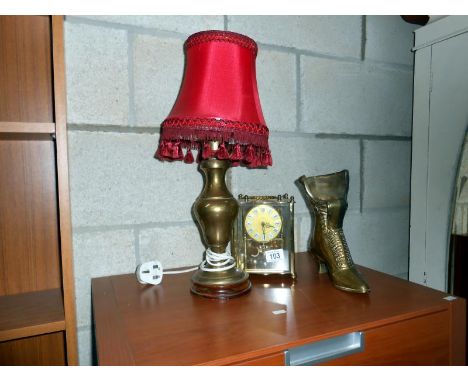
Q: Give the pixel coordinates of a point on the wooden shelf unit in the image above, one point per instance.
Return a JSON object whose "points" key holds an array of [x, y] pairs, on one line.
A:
{"points": [[37, 299], [31, 314]]}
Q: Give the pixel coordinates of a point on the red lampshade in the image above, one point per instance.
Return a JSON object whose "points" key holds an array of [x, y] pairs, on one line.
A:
{"points": [[218, 101]]}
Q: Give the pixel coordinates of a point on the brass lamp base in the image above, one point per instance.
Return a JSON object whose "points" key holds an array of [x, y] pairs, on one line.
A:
{"points": [[223, 285], [216, 210]]}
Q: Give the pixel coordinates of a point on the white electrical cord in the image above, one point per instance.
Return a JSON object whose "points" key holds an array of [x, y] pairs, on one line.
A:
{"points": [[152, 272], [218, 261], [181, 271]]}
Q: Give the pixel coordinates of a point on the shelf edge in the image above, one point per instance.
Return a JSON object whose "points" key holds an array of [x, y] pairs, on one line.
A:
{"points": [[27, 127], [29, 331]]}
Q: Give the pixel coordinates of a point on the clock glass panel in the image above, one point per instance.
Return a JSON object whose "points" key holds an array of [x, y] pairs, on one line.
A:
{"points": [[263, 223], [263, 235]]}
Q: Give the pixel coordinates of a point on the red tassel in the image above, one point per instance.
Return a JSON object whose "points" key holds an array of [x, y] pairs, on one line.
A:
{"points": [[235, 163], [180, 153], [253, 164], [188, 156], [162, 151], [249, 154], [236, 153], [258, 160], [168, 150], [207, 152], [158, 153], [174, 150], [222, 153], [267, 161]]}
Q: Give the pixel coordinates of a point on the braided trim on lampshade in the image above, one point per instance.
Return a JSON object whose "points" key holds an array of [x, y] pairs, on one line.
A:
{"points": [[221, 36], [215, 129]]}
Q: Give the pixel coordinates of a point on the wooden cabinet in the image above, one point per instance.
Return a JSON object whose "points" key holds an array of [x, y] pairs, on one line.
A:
{"points": [[37, 304], [279, 322]]}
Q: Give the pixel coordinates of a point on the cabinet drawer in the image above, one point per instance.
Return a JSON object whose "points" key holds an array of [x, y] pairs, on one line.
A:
{"points": [[419, 341]]}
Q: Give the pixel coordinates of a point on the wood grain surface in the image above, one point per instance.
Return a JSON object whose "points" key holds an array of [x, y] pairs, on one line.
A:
{"points": [[30, 314], [27, 127], [29, 251], [25, 69], [66, 245], [422, 341], [167, 325], [45, 350]]}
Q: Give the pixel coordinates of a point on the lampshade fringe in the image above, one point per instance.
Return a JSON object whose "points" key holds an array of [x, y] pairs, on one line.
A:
{"points": [[249, 155]]}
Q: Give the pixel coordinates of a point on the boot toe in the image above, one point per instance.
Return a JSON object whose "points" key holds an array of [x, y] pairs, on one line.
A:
{"points": [[350, 280]]}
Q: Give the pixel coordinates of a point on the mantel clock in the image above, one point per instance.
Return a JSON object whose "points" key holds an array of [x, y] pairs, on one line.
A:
{"points": [[263, 235]]}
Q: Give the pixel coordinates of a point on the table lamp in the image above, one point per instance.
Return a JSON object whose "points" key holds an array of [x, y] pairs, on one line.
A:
{"points": [[218, 113]]}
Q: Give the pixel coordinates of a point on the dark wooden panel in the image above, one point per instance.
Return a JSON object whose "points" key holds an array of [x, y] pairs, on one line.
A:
{"points": [[167, 325], [458, 337], [29, 254], [416, 342], [30, 314], [458, 270], [25, 69], [45, 350], [460, 260]]}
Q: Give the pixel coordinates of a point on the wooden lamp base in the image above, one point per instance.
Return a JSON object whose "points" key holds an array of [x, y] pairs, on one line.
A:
{"points": [[221, 285], [221, 291]]}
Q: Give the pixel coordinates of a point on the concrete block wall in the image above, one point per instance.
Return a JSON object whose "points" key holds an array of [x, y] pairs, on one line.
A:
{"points": [[336, 93]]}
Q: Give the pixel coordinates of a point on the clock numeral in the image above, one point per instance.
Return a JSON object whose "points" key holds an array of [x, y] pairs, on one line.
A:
{"points": [[262, 223]]}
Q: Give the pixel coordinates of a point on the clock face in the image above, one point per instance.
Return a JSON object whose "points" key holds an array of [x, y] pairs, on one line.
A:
{"points": [[263, 223]]}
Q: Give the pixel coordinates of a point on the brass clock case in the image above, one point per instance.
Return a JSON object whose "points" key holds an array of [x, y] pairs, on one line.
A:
{"points": [[263, 235]]}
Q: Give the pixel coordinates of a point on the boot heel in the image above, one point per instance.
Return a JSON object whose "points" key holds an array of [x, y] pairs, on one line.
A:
{"points": [[322, 266]]}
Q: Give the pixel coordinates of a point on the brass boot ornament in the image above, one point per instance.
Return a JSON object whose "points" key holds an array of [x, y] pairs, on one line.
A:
{"points": [[327, 194]]}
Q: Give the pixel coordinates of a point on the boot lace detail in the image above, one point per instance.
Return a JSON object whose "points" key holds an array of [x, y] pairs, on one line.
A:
{"points": [[337, 242]]}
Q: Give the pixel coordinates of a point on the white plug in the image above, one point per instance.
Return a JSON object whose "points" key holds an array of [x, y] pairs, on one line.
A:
{"points": [[150, 272]]}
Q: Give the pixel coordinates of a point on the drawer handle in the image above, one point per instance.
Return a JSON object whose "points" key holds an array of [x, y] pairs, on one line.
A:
{"points": [[321, 351]]}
